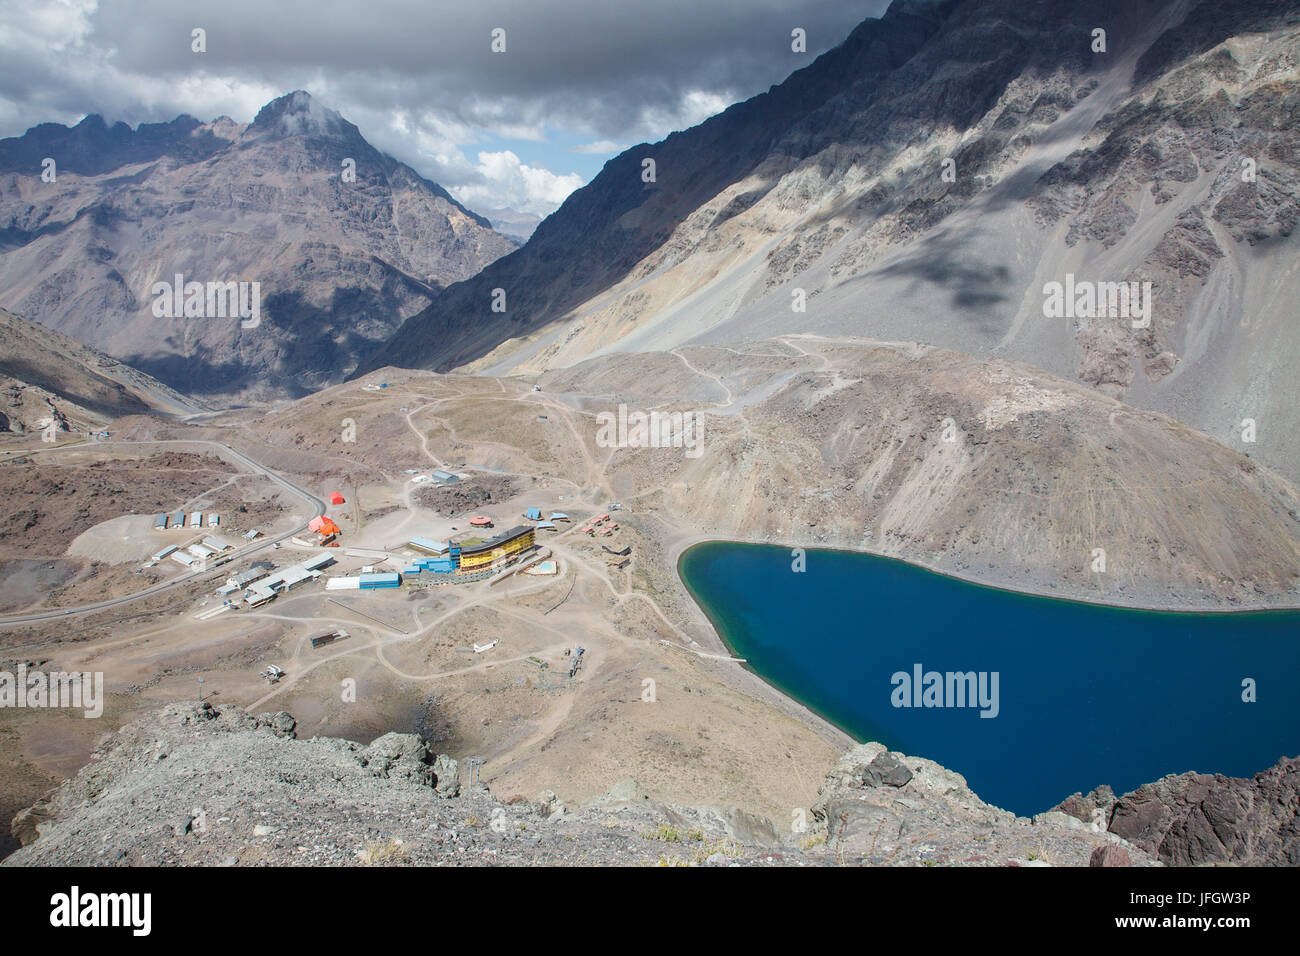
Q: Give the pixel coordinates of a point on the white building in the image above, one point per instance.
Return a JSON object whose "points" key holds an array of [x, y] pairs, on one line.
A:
{"points": [[282, 580]]}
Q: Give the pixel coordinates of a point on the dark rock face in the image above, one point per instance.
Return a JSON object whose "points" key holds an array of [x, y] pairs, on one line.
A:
{"points": [[1196, 818], [1110, 856], [1095, 807], [93, 147], [886, 769], [340, 263]]}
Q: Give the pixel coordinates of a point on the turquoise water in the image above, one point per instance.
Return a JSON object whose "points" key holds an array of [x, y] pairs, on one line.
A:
{"points": [[1085, 694]]}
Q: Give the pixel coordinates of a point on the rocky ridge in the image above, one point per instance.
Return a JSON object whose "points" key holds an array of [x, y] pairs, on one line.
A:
{"points": [[948, 161], [1195, 818], [339, 261], [194, 785]]}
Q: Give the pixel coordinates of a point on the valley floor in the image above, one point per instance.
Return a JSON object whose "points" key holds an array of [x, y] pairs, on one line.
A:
{"points": [[811, 442]]}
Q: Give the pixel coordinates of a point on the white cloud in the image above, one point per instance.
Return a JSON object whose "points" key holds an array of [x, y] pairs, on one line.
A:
{"points": [[692, 108], [503, 180], [418, 79], [602, 147], [495, 180]]}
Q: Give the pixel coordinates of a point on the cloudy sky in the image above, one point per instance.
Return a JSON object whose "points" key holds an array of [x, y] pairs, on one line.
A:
{"points": [[579, 79]]}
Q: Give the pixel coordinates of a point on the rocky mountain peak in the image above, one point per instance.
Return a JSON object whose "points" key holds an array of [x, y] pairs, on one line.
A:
{"points": [[299, 114], [340, 260]]}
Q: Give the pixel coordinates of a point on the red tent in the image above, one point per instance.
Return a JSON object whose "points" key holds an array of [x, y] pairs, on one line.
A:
{"points": [[336, 498], [322, 526]]}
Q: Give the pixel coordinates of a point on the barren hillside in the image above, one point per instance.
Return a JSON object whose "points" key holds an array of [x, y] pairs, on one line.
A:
{"points": [[947, 163]]}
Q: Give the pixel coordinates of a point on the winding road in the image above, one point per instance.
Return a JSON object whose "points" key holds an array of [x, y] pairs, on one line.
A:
{"points": [[316, 504]]}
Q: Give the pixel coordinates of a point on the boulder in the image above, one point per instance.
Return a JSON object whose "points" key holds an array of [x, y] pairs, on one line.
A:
{"points": [[627, 791], [887, 770], [279, 723], [446, 777], [548, 803], [1110, 856], [399, 755], [1095, 808], [27, 824]]}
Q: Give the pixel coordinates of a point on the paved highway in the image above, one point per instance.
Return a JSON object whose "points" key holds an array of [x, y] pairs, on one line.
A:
{"points": [[317, 505]]}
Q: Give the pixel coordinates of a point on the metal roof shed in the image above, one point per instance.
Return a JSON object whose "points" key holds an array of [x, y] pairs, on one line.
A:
{"points": [[428, 545]]}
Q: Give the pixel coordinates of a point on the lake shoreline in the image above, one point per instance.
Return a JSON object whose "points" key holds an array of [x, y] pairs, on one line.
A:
{"points": [[819, 700], [681, 546]]}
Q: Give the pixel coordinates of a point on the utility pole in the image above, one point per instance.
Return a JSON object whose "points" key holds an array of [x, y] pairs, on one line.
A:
{"points": [[200, 690]]}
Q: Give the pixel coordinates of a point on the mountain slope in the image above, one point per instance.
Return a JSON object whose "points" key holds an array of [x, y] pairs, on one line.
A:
{"points": [[46, 375], [1117, 166], [339, 263]]}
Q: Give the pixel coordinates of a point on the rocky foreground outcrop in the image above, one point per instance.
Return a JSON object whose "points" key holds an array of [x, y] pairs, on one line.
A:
{"points": [[191, 785], [1194, 818]]}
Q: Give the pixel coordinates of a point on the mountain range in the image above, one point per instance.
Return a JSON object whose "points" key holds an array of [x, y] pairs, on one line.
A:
{"points": [[343, 241], [929, 180]]}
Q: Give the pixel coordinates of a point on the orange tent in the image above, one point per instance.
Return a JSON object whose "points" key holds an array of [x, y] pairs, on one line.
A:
{"points": [[336, 498], [322, 526]]}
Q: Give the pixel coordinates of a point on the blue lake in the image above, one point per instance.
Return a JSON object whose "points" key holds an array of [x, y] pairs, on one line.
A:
{"points": [[1086, 694]]}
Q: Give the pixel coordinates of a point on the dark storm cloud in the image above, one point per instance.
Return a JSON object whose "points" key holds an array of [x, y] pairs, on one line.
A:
{"points": [[418, 78]]}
